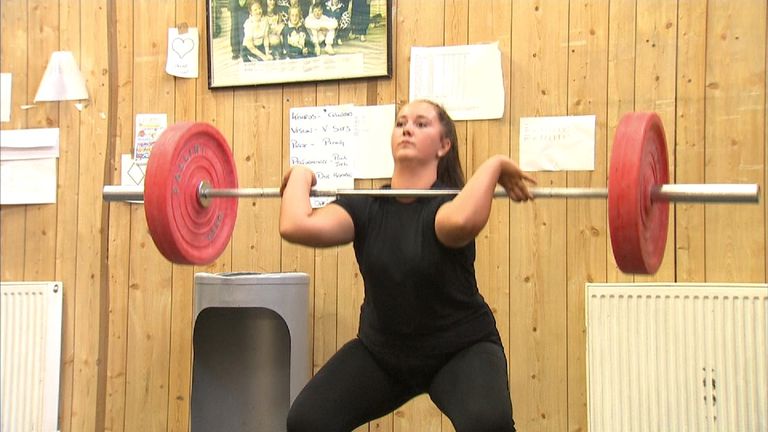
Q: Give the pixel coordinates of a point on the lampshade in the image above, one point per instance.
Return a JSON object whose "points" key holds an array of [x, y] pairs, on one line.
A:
{"points": [[62, 79]]}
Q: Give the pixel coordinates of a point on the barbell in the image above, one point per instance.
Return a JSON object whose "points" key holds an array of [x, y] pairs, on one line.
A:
{"points": [[190, 193]]}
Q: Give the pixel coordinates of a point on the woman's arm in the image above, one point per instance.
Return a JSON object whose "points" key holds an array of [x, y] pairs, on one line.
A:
{"points": [[460, 220], [300, 223]]}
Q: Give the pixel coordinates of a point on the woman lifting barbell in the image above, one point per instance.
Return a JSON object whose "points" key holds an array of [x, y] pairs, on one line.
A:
{"points": [[424, 326]]}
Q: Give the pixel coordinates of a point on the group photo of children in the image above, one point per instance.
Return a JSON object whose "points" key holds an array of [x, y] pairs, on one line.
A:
{"points": [[247, 31]]}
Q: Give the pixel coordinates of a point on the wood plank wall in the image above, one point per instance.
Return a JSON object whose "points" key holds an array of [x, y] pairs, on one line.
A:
{"points": [[126, 359]]}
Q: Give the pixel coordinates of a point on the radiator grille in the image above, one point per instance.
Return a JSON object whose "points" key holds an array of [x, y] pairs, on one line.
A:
{"points": [[677, 357], [30, 351]]}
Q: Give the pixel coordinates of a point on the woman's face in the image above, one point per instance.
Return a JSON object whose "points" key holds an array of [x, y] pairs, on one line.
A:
{"points": [[418, 134], [256, 10], [294, 15]]}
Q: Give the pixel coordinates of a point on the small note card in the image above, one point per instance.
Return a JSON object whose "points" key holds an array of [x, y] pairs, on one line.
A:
{"points": [[183, 48]]}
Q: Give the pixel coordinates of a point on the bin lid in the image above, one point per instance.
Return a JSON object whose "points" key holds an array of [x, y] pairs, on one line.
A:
{"points": [[252, 278]]}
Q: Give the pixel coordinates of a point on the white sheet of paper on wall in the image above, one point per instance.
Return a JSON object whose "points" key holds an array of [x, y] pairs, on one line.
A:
{"points": [[564, 143], [372, 144], [467, 80], [320, 138], [24, 144], [28, 166], [183, 49], [132, 172], [31, 181]]}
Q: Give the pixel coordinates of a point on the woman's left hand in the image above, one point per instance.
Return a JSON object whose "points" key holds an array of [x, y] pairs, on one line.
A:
{"points": [[515, 181]]}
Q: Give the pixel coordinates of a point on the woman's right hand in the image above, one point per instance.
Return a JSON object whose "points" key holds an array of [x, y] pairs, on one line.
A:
{"points": [[300, 223], [298, 170]]}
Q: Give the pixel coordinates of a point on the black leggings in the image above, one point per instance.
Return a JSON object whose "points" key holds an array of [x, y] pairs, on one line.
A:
{"points": [[355, 387]]}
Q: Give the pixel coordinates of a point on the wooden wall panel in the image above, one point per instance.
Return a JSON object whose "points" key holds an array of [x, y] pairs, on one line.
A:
{"points": [[538, 360], [126, 347], [43, 37], [91, 297], [149, 300], [66, 214], [587, 227], [689, 157], [121, 22], [621, 88], [735, 111], [13, 17]]}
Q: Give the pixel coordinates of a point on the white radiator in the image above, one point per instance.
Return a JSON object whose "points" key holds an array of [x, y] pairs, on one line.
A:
{"points": [[677, 357], [30, 351]]}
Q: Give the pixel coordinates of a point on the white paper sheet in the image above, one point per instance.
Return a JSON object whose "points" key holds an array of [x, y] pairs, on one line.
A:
{"points": [[557, 143], [28, 165], [132, 172], [28, 181], [5, 97], [319, 139], [183, 52], [372, 145], [20, 144], [467, 79]]}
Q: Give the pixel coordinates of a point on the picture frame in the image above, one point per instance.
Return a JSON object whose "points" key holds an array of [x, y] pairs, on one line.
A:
{"points": [[292, 42]]}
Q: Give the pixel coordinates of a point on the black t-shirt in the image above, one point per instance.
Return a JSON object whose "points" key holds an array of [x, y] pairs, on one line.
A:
{"points": [[420, 296]]}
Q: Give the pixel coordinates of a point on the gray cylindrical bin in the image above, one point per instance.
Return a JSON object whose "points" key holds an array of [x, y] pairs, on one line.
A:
{"points": [[251, 349]]}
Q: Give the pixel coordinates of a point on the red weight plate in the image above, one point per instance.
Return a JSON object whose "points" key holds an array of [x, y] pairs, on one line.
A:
{"points": [[185, 231], [638, 225]]}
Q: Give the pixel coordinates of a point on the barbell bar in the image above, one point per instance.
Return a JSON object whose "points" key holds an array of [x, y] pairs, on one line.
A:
{"points": [[691, 192], [190, 194]]}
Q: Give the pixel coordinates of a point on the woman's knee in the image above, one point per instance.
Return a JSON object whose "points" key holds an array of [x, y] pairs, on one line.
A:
{"points": [[298, 420], [307, 420], [483, 420], [306, 416]]}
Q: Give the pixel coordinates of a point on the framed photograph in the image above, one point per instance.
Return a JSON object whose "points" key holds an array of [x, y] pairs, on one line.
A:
{"points": [[260, 42]]}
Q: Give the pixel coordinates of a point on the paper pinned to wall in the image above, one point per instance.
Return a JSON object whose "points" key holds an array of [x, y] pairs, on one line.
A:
{"points": [[183, 52], [149, 127], [132, 172], [557, 143], [23, 144], [319, 139], [5, 97], [372, 150], [30, 181], [466, 79], [28, 166]]}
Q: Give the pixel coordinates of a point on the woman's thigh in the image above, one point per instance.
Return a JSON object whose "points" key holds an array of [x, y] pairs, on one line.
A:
{"points": [[348, 391], [472, 389]]}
